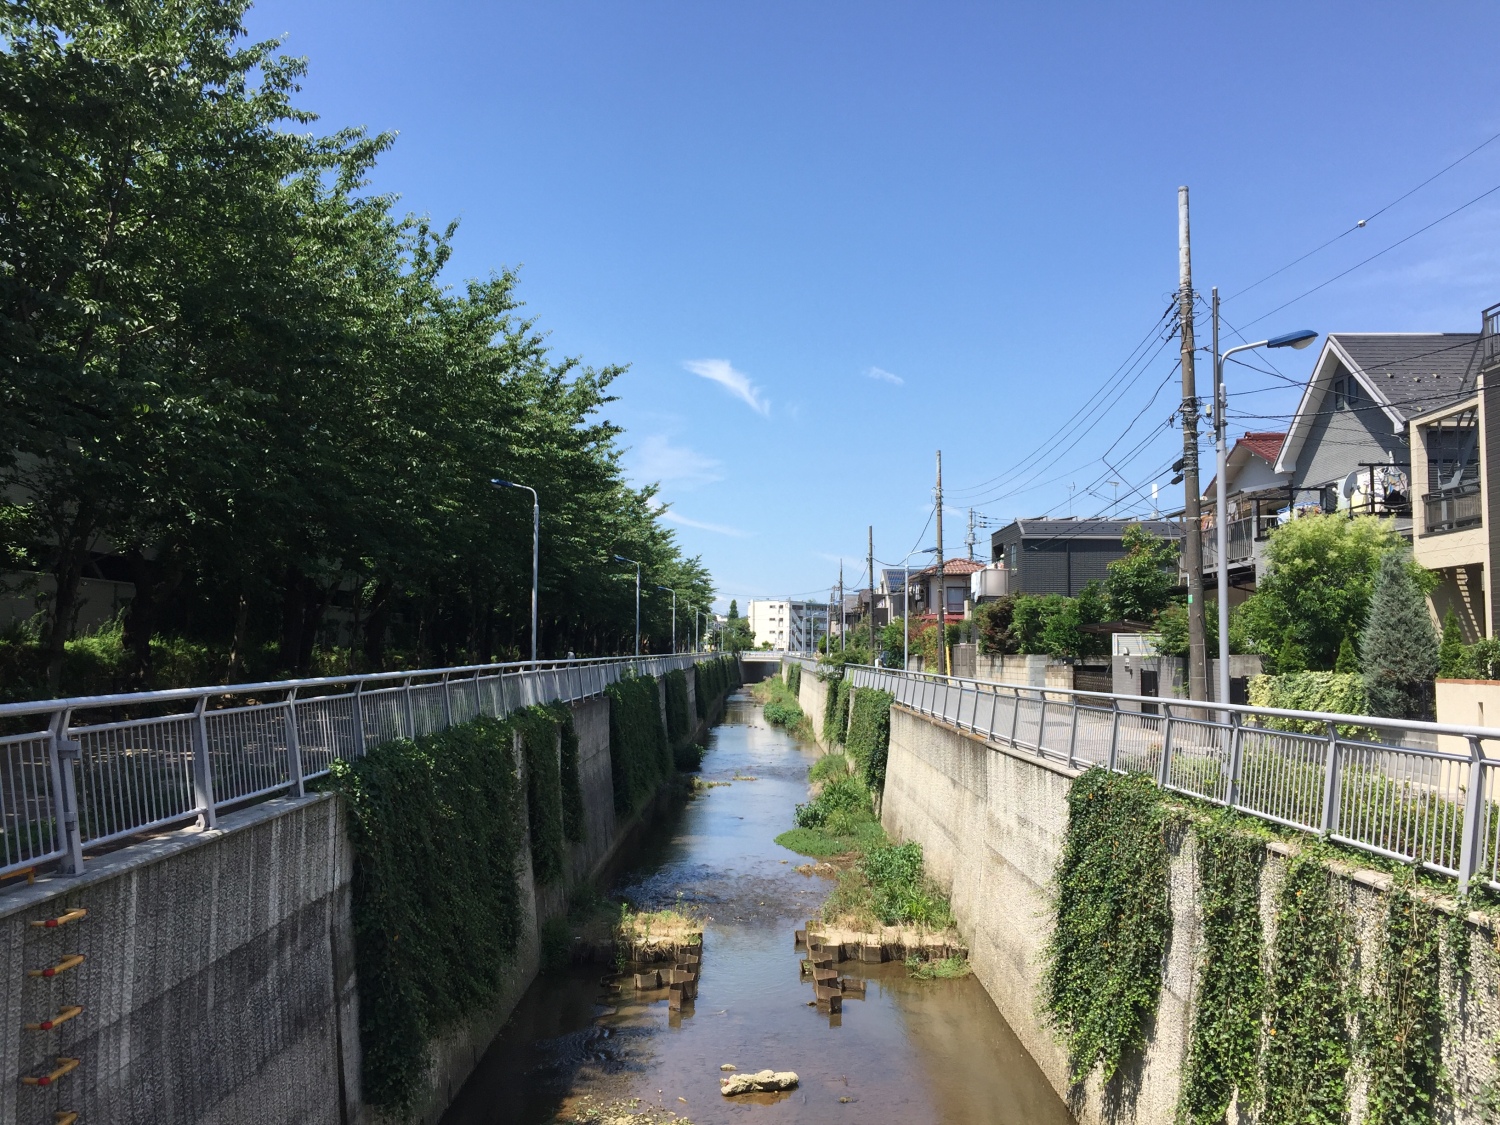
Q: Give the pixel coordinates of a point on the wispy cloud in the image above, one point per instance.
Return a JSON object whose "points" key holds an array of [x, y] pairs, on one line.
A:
{"points": [[735, 382], [657, 461], [882, 375], [716, 528]]}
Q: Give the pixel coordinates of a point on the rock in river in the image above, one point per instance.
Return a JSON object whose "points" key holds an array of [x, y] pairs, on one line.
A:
{"points": [[760, 1082]]}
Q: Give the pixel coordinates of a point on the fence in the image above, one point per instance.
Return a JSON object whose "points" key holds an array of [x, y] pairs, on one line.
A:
{"points": [[1344, 777], [78, 773]]}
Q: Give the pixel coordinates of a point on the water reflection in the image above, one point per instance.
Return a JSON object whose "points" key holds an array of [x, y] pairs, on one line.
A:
{"points": [[911, 1051]]}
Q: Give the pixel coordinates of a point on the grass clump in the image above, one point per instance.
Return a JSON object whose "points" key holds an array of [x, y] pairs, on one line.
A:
{"points": [[779, 705], [943, 968], [830, 767]]}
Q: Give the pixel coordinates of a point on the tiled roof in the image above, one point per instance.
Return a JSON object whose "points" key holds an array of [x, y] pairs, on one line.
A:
{"points": [[1415, 372], [952, 568], [1265, 445]]}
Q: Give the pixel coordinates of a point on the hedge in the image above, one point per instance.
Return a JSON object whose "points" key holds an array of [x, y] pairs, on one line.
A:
{"points": [[1341, 693]]}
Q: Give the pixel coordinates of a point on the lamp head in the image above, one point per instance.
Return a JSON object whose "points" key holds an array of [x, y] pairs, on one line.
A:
{"points": [[496, 482], [1298, 340]]}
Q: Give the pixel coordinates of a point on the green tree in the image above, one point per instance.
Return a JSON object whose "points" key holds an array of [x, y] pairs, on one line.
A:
{"points": [[993, 623], [1399, 648], [1347, 661], [1052, 624], [1320, 574], [1138, 586], [1452, 659]]}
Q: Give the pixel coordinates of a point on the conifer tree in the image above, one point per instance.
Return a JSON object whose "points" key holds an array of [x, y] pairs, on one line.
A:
{"points": [[1347, 661], [1399, 647]]}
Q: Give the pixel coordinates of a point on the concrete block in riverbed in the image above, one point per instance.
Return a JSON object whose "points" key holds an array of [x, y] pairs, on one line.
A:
{"points": [[688, 989], [806, 967], [872, 953], [800, 939], [852, 986], [679, 976], [644, 981], [830, 998], [822, 976]]}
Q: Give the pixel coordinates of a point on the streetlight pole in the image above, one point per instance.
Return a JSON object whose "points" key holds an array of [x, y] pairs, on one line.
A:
{"points": [[673, 592], [632, 562], [536, 549], [1297, 340]]}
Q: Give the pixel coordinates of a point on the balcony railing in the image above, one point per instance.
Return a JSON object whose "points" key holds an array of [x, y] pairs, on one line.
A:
{"points": [[1452, 509], [1241, 543], [1489, 339]]}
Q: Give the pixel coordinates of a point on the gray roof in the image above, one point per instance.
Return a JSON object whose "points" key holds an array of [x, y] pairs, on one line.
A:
{"points": [[1087, 528], [1415, 372]]}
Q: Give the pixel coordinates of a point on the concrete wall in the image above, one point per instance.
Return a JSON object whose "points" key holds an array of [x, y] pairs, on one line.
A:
{"points": [[812, 697], [1468, 703], [991, 823], [218, 984]]}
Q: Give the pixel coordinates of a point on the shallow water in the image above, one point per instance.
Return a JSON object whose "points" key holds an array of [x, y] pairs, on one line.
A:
{"points": [[911, 1051]]}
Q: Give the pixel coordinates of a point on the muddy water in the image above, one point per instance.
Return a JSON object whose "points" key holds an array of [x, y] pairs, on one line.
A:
{"points": [[911, 1051]]}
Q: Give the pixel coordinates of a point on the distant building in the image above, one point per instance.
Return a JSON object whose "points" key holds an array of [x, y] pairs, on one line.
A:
{"points": [[955, 596], [787, 625], [1063, 556]]}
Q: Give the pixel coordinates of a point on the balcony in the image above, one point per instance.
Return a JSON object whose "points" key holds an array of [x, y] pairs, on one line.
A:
{"points": [[1452, 509], [1242, 539]]}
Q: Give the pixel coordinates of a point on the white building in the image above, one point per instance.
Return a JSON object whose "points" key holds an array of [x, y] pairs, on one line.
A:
{"points": [[787, 625]]}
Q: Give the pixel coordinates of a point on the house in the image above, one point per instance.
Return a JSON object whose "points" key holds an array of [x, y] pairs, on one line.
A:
{"points": [[1456, 455], [1348, 446], [1257, 496], [925, 597], [1052, 556]]}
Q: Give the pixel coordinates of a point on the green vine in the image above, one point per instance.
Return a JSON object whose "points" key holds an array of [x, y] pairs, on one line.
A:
{"points": [[1305, 1076], [1113, 919], [638, 751], [430, 950], [1401, 1028], [832, 678], [679, 722], [712, 680], [837, 729], [870, 734], [575, 824], [793, 675], [1224, 1049], [544, 801]]}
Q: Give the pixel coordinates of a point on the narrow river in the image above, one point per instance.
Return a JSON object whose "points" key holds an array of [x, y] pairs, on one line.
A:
{"points": [[911, 1051]]}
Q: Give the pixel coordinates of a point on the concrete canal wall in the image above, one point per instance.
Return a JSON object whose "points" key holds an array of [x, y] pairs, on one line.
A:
{"points": [[991, 822], [218, 982]]}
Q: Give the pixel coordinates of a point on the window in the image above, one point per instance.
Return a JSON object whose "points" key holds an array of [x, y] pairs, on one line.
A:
{"points": [[956, 595], [1347, 393]]}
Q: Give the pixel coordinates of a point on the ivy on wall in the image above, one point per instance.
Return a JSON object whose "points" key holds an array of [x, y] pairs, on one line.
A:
{"points": [[837, 727], [794, 677], [832, 677], [870, 734], [1305, 1077], [639, 754], [429, 950], [538, 728], [713, 680], [679, 722], [1105, 956], [1401, 1021], [575, 826], [1224, 1047]]}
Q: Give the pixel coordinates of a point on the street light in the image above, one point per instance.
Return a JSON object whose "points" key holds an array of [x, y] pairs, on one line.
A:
{"points": [[632, 562], [1298, 340], [673, 592], [536, 544]]}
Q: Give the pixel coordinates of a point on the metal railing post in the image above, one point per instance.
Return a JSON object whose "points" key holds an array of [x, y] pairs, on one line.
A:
{"points": [[203, 778], [1073, 734], [1329, 821], [994, 707], [447, 703], [1164, 769], [1236, 731], [1015, 714], [411, 714], [64, 752], [1041, 729], [294, 747], [1471, 849], [1114, 734], [358, 708]]}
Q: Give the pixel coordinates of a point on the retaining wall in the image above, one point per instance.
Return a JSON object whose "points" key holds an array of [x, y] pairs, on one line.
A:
{"points": [[991, 822], [218, 984]]}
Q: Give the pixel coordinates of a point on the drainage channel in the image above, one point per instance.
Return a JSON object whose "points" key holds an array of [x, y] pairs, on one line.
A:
{"points": [[585, 1047]]}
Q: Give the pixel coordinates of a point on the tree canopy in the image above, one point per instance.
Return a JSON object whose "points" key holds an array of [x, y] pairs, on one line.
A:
{"points": [[232, 375]]}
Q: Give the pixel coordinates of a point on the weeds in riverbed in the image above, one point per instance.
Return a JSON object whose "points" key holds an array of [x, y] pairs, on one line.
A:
{"points": [[944, 968], [830, 767], [779, 705]]}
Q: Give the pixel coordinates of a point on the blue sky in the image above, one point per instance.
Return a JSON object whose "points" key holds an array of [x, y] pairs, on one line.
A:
{"points": [[831, 239]]}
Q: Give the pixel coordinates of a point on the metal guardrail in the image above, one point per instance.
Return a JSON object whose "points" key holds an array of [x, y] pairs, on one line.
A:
{"points": [[1350, 780], [86, 771]]}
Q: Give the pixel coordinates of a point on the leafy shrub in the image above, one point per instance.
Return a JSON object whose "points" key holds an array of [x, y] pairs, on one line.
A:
{"points": [[839, 808], [544, 804], [639, 754], [782, 714], [1482, 659], [1341, 693], [830, 767], [900, 893]]}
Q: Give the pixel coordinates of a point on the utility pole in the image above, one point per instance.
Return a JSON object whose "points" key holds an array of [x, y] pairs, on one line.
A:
{"points": [[841, 605], [942, 594], [969, 539], [1192, 506], [872, 593]]}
